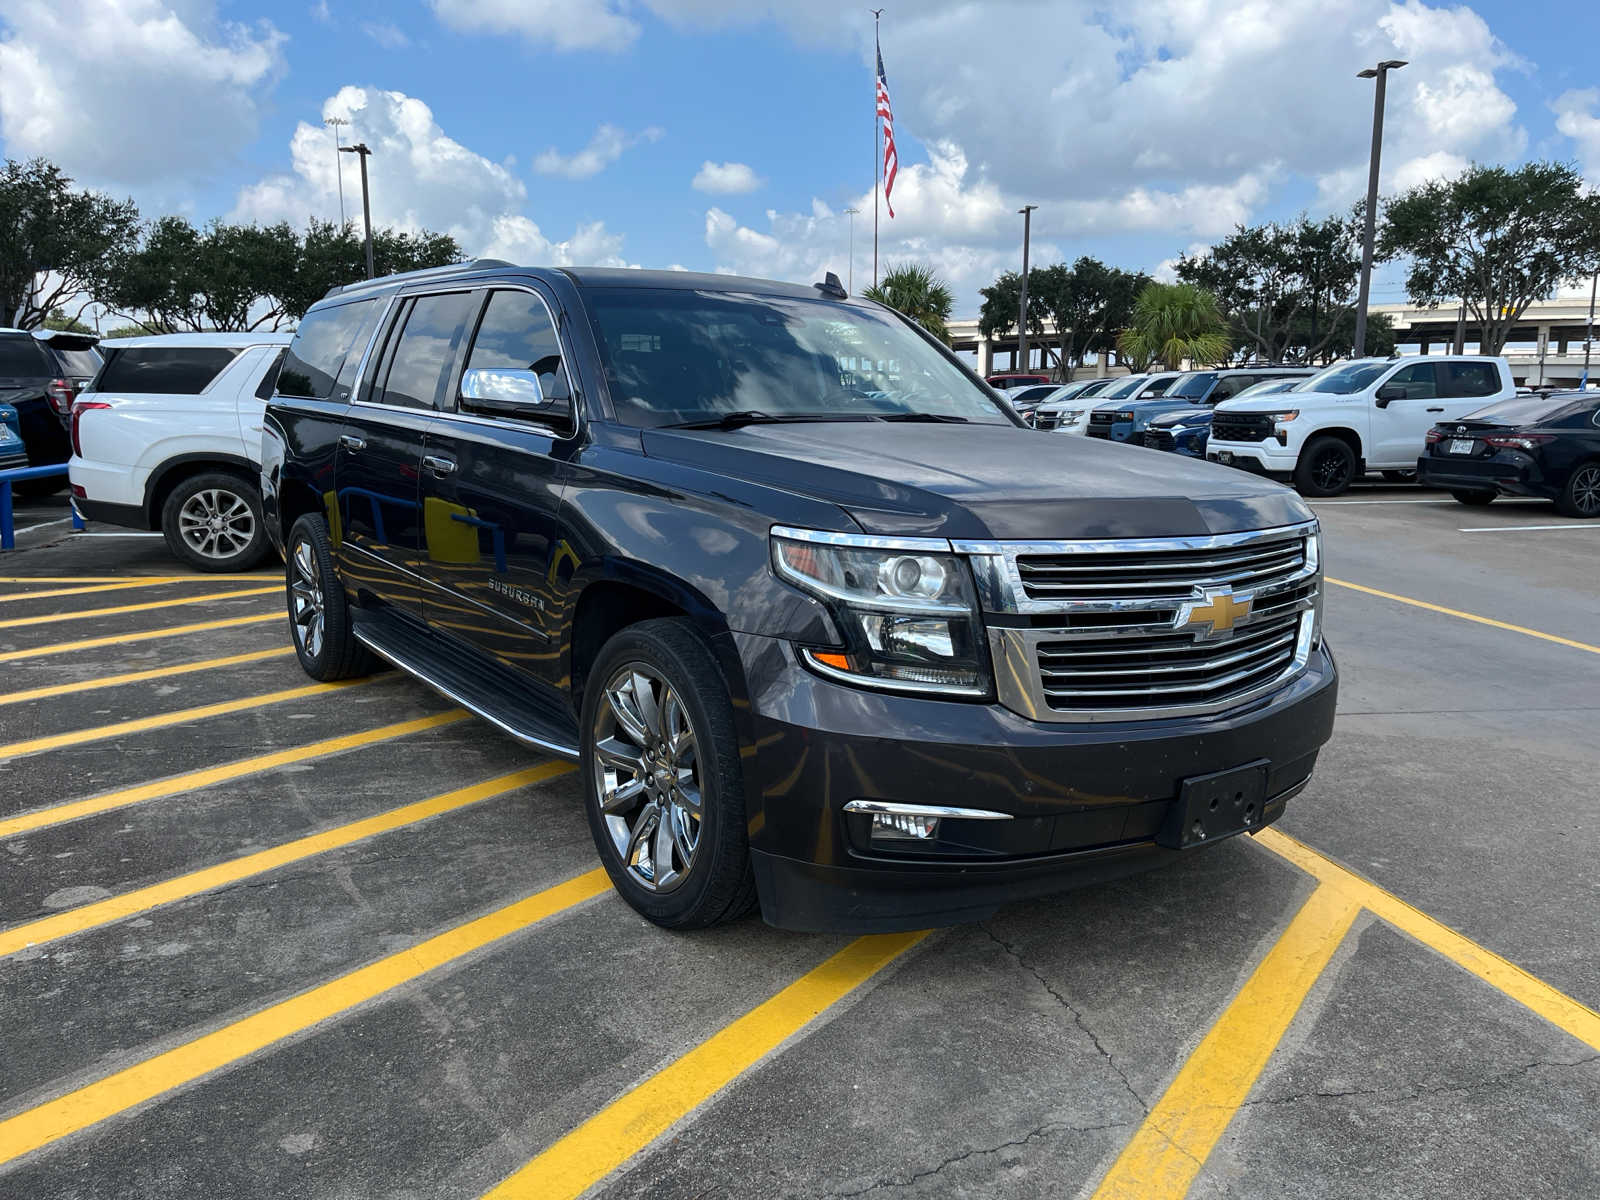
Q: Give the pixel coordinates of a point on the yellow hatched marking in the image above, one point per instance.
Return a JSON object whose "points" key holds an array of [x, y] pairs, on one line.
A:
{"points": [[1466, 616], [99, 733], [1179, 1133], [135, 580], [105, 681], [161, 1073], [119, 610], [143, 635], [629, 1124], [104, 912], [84, 591], [60, 814]]}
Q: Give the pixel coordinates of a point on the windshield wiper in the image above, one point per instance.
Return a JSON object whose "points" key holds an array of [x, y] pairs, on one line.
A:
{"points": [[931, 418], [754, 416]]}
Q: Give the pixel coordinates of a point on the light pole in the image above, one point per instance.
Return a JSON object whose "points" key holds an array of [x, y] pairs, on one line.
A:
{"points": [[360, 149], [850, 284], [338, 163], [1022, 314], [1380, 73], [1588, 337]]}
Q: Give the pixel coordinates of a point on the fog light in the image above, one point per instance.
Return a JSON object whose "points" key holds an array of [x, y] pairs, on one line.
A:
{"points": [[904, 826]]}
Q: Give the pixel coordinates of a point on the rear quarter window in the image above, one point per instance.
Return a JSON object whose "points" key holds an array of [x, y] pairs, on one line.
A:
{"points": [[22, 357], [168, 370], [327, 337]]}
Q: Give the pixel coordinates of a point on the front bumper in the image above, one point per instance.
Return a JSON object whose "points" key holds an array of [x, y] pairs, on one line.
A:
{"points": [[1255, 457], [1086, 803], [1506, 471]]}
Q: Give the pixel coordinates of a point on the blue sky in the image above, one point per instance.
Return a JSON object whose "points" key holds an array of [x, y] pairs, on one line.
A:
{"points": [[1140, 135]]}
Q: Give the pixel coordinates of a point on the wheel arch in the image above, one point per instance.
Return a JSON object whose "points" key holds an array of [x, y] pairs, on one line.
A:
{"points": [[172, 472]]}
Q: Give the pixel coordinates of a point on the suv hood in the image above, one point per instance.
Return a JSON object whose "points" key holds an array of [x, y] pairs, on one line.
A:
{"points": [[986, 481], [1180, 416]]}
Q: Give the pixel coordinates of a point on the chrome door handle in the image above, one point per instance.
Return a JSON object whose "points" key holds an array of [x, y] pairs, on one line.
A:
{"points": [[437, 465], [351, 442]]}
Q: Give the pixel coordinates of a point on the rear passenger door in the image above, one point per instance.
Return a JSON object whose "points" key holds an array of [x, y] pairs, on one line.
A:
{"points": [[381, 444], [1465, 387], [491, 487]]}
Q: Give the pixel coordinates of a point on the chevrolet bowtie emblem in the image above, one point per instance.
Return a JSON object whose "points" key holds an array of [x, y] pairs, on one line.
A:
{"points": [[1217, 613]]}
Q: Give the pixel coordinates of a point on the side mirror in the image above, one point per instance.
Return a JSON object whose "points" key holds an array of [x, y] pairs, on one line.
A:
{"points": [[1390, 391], [512, 392]]}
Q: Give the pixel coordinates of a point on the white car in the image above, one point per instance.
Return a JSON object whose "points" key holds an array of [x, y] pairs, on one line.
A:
{"points": [[168, 436], [1369, 414], [1076, 419]]}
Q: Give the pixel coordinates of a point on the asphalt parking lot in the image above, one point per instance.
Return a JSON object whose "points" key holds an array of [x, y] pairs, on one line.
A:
{"points": [[263, 937]]}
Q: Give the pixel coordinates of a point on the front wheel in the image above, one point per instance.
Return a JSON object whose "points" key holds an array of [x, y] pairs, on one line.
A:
{"points": [[664, 790], [319, 614], [1581, 496], [1327, 467], [1473, 497], [214, 523]]}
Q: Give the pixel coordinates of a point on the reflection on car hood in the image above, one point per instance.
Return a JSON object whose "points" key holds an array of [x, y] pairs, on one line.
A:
{"points": [[1279, 401], [986, 481], [1183, 416]]}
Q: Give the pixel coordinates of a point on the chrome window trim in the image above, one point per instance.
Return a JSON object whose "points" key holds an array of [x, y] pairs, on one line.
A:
{"points": [[864, 541], [896, 809]]}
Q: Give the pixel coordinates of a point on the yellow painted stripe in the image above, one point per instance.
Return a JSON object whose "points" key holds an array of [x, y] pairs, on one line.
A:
{"points": [[161, 1073], [121, 609], [1466, 616], [105, 681], [96, 589], [1175, 1139], [142, 635], [629, 1124], [100, 733], [139, 580], [115, 908], [60, 814], [1555, 1006]]}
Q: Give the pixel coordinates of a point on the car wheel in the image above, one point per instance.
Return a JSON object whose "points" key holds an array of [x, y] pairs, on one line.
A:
{"points": [[1581, 496], [663, 784], [319, 613], [1400, 476], [213, 522], [1477, 499], [1326, 467]]}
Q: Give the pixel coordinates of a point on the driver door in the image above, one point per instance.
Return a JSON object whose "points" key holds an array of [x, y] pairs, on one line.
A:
{"points": [[1400, 427]]}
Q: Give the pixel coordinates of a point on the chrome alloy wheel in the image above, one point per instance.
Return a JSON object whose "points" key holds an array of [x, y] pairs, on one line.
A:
{"points": [[307, 611], [1586, 490], [216, 524], [647, 775]]}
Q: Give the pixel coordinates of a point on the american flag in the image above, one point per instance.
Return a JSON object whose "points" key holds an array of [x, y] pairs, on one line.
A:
{"points": [[891, 160]]}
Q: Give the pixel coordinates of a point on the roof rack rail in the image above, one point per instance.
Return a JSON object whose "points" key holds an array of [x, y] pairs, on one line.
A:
{"points": [[477, 264]]}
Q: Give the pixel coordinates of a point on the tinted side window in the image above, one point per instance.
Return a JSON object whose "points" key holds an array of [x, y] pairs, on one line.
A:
{"points": [[1231, 385], [1470, 379], [22, 356], [269, 380], [173, 370], [1417, 379], [325, 338], [433, 332], [516, 332]]}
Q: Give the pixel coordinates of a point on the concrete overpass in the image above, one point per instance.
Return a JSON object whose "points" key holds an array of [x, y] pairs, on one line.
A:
{"points": [[1546, 345]]}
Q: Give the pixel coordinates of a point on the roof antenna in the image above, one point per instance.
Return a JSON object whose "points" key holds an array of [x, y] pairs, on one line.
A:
{"points": [[830, 286]]}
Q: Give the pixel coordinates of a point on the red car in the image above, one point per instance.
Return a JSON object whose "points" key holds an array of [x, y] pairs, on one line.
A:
{"points": [[1016, 379]]}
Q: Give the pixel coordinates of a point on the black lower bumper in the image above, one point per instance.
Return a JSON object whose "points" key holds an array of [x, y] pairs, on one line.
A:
{"points": [[1083, 803], [1483, 475], [107, 513]]}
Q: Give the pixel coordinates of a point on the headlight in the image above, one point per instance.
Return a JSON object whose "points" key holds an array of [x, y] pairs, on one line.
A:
{"points": [[1287, 414], [1124, 416], [906, 606]]}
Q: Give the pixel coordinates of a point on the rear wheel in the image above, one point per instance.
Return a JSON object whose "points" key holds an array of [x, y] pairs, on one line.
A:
{"points": [[1472, 496], [1327, 467], [213, 522], [1581, 496], [319, 614]]}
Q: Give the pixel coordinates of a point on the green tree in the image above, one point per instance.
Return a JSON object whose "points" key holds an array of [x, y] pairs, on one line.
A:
{"points": [[1496, 238], [58, 319], [916, 292], [1088, 303], [123, 331], [1176, 321], [1001, 301], [55, 241]]}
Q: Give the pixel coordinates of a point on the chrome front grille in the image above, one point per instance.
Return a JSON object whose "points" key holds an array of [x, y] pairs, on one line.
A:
{"points": [[1135, 630]]}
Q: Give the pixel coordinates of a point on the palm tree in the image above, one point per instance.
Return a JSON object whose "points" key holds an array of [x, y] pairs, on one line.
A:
{"points": [[919, 294], [1176, 321]]}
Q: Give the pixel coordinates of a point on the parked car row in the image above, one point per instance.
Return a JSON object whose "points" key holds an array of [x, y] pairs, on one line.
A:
{"points": [[41, 373]]}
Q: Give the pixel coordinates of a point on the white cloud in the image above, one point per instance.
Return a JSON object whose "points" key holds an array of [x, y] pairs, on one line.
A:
{"points": [[561, 24], [604, 148], [130, 91], [1578, 117], [321, 13], [420, 177], [725, 179], [387, 34]]}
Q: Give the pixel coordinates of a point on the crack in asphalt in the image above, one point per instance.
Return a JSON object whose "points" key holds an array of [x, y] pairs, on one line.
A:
{"points": [[1504, 1079]]}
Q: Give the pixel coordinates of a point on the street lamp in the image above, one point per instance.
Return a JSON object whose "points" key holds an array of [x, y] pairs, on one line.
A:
{"points": [[360, 149], [338, 163], [1380, 73], [1022, 317], [850, 285]]}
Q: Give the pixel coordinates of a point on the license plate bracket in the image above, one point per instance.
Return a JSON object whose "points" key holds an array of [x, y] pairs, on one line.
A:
{"points": [[1225, 457], [1460, 445], [1215, 806]]}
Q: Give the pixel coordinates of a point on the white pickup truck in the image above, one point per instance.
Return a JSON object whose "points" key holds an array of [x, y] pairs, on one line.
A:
{"points": [[1368, 414], [168, 436]]}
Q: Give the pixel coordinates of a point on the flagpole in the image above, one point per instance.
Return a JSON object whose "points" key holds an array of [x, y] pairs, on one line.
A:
{"points": [[877, 142]]}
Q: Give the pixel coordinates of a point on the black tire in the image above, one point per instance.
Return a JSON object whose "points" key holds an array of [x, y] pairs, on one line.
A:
{"points": [[213, 522], [1327, 467], [716, 883], [1581, 497], [310, 584], [1473, 497], [1400, 476]]}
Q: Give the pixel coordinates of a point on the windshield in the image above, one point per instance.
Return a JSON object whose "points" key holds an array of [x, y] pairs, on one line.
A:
{"points": [[1192, 386], [1126, 388], [681, 357], [1524, 410], [1348, 378], [1268, 386], [1097, 388]]}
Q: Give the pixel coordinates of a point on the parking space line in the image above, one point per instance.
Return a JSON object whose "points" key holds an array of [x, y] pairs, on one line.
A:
{"points": [[181, 887], [140, 635], [117, 611], [582, 1158], [1555, 1006], [1525, 528], [95, 589], [1466, 616], [60, 814], [1178, 1135], [99, 733], [145, 1081], [105, 681]]}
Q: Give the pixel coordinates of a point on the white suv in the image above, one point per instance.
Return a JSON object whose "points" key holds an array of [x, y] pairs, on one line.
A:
{"points": [[168, 436], [1369, 414]]}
